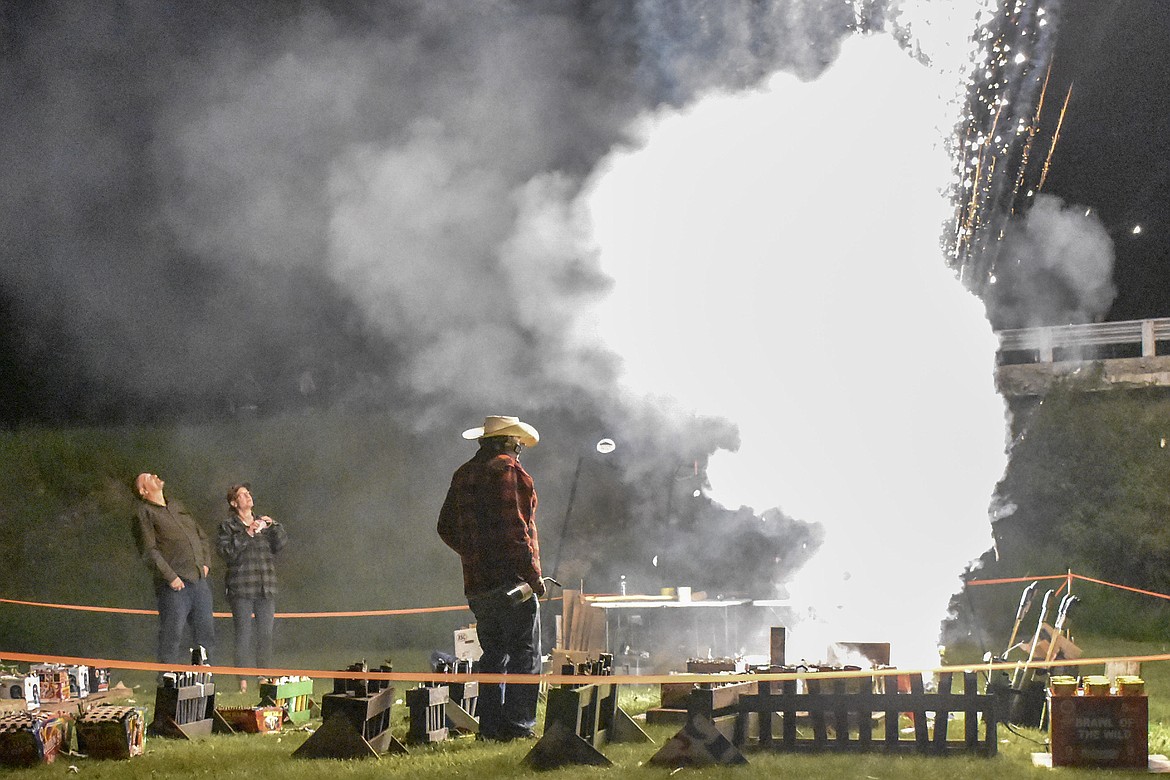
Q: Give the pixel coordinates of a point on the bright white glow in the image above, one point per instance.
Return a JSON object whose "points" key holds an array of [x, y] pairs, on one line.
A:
{"points": [[1137, 229], [790, 235], [606, 446]]}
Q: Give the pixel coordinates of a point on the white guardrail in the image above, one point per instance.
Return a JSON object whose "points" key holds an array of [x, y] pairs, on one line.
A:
{"points": [[1044, 341]]}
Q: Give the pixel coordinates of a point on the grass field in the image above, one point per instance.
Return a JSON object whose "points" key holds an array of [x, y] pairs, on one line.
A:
{"points": [[267, 756]]}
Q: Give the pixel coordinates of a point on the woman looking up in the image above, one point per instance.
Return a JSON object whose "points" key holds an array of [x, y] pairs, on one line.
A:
{"points": [[249, 546]]}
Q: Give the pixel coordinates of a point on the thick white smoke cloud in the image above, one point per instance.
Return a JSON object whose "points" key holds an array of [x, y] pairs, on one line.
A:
{"points": [[774, 257], [1055, 267], [767, 255], [776, 261]]}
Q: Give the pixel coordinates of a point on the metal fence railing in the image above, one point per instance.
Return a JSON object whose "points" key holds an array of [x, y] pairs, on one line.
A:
{"points": [[1069, 342]]}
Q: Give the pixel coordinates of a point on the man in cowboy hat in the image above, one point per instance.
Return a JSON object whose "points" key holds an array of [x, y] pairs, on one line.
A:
{"points": [[489, 518]]}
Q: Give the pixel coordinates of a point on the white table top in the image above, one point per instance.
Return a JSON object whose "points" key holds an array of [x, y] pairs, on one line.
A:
{"points": [[636, 603]]}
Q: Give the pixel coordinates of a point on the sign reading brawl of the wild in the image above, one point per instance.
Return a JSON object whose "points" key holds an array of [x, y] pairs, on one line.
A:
{"points": [[1105, 731]]}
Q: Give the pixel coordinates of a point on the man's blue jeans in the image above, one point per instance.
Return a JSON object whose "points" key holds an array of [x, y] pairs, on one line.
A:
{"points": [[177, 608], [510, 638], [253, 635]]}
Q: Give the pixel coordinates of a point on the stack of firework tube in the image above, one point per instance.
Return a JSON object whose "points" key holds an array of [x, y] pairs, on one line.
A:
{"points": [[428, 713], [184, 704], [1098, 724], [461, 709], [109, 731], [30, 738], [1096, 685], [602, 666]]}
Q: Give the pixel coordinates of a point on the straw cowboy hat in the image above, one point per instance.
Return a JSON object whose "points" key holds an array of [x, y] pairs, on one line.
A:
{"points": [[495, 425]]}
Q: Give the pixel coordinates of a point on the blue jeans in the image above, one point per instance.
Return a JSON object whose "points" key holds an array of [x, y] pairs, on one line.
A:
{"points": [[510, 638], [177, 608], [253, 634]]}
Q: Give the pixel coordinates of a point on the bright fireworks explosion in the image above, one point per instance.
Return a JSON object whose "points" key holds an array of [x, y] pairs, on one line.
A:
{"points": [[779, 261]]}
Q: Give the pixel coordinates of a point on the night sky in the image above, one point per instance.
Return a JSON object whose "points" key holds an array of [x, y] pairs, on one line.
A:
{"points": [[167, 168], [1111, 152]]}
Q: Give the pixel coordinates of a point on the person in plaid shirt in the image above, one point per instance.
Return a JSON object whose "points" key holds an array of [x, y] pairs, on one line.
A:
{"points": [[249, 546], [489, 518]]}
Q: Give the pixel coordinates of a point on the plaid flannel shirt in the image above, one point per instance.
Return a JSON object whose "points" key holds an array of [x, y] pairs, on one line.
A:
{"points": [[251, 560], [489, 518]]}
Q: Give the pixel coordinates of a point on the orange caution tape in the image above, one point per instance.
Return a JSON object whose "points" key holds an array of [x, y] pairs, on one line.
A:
{"points": [[559, 679], [1017, 579], [357, 613], [1122, 587], [82, 608], [1068, 582]]}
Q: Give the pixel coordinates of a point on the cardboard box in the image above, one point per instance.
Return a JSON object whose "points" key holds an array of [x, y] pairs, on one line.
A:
{"points": [[253, 720], [467, 644], [294, 697], [54, 682]]}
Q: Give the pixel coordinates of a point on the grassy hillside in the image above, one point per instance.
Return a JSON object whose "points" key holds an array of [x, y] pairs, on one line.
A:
{"points": [[358, 495]]}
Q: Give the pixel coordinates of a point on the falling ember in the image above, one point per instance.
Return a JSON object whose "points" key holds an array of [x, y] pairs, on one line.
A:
{"points": [[1017, 50], [1032, 128], [1055, 138]]}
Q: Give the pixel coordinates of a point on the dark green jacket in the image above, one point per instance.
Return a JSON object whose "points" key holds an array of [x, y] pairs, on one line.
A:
{"points": [[170, 541]]}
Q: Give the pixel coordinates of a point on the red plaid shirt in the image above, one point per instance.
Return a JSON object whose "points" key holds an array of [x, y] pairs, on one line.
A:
{"points": [[489, 518]]}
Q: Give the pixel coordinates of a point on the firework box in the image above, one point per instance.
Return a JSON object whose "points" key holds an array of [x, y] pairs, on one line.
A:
{"points": [[253, 720], [99, 680], [1099, 731], [113, 732], [54, 682], [294, 697], [78, 681], [27, 739], [21, 686], [467, 644]]}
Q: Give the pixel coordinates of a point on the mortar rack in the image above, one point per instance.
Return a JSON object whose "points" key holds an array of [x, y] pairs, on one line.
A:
{"points": [[184, 705], [355, 719]]}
